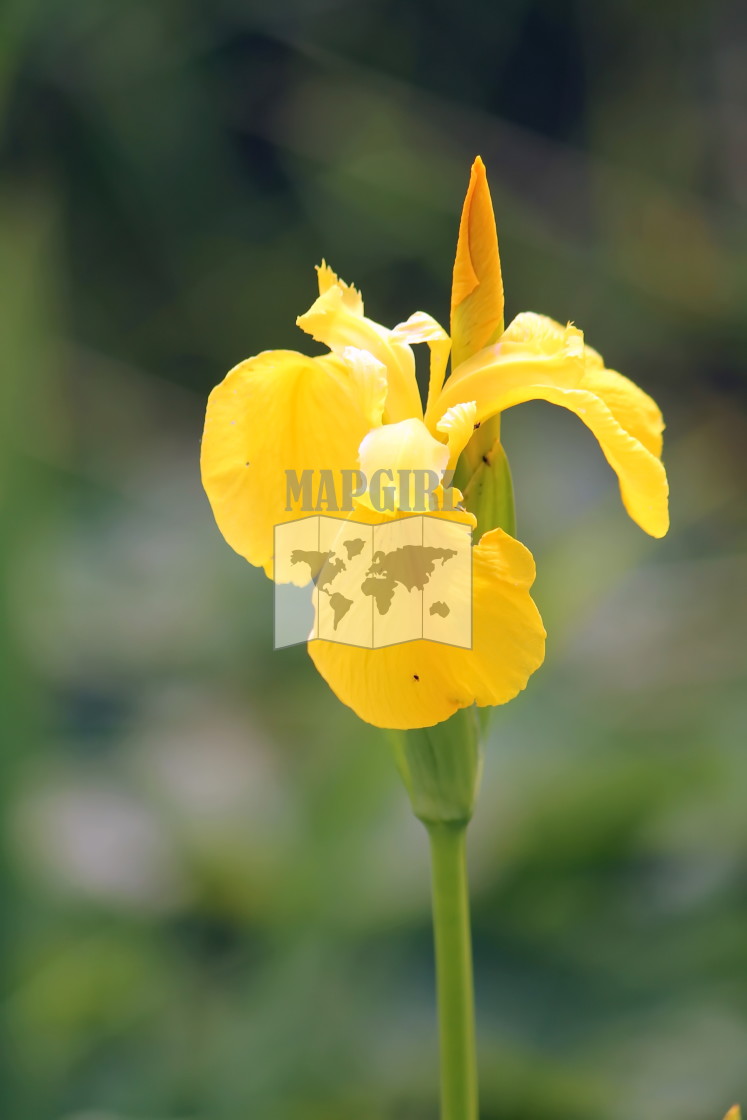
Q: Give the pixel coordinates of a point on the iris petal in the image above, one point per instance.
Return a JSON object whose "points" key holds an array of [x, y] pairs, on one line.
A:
{"points": [[458, 424], [634, 410], [421, 327], [420, 683], [336, 319], [538, 359], [275, 413]]}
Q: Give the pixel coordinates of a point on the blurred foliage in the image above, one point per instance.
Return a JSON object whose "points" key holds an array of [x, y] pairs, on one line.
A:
{"points": [[215, 903]]}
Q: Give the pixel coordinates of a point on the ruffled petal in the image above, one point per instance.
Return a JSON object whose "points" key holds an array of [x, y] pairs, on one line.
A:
{"points": [[538, 359], [275, 413], [336, 319], [477, 287], [421, 683], [545, 334]]}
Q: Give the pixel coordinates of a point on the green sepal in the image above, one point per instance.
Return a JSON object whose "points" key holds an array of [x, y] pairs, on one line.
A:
{"points": [[489, 493], [441, 767]]}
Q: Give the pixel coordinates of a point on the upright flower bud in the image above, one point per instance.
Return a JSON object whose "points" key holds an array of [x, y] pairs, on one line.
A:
{"points": [[476, 322], [477, 286]]}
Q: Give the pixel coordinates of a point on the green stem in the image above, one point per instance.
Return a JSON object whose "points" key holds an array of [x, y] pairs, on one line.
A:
{"points": [[455, 986]]}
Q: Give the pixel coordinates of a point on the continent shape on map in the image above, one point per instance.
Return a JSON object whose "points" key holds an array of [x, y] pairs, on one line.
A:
{"points": [[328, 573], [411, 566], [340, 606], [439, 607], [315, 560], [354, 547], [323, 566], [381, 591]]}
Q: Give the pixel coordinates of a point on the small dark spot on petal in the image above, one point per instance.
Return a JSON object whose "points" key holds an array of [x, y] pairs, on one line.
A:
{"points": [[486, 460], [415, 677], [477, 425]]}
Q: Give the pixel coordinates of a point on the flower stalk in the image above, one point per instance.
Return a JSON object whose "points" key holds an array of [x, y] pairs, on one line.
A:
{"points": [[454, 979], [441, 768]]}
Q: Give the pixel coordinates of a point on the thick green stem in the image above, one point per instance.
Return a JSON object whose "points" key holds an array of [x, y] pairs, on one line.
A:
{"points": [[455, 985]]}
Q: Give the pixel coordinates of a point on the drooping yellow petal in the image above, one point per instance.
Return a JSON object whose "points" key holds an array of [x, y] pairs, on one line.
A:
{"points": [[275, 413], [538, 359], [336, 319], [420, 683], [643, 481], [633, 409], [421, 327], [477, 288], [531, 352]]}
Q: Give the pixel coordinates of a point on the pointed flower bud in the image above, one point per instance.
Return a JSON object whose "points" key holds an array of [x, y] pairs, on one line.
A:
{"points": [[477, 286]]}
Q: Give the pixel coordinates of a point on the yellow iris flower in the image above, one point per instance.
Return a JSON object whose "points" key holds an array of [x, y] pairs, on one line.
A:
{"points": [[358, 407]]}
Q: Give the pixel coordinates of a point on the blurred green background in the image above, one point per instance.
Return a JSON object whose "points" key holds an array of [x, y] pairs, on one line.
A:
{"points": [[213, 900]]}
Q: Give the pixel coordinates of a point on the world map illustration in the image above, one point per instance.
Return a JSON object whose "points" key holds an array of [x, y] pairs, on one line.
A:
{"points": [[409, 566], [373, 585]]}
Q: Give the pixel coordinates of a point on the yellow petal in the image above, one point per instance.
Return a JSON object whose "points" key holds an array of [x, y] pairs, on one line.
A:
{"points": [[643, 480], [369, 376], [277, 412], [477, 289], [538, 359], [407, 446], [633, 409], [421, 327], [458, 424], [350, 295], [336, 319], [365, 513], [527, 352], [420, 683], [546, 334], [734, 1113]]}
